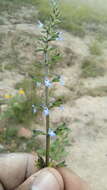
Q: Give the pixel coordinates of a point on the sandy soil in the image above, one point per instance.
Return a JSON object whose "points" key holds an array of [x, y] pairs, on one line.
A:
{"points": [[87, 119]]}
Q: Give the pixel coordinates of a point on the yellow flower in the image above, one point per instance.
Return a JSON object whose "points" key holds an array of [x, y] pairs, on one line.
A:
{"points": [[7, 96], [21, 92]]}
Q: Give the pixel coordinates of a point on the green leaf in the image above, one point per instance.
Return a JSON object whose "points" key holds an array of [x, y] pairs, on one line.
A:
{"points": [[51, 48], [35, 79], [61, 164], [40, 49], [56, 58], [56, 79], [61, 129], [38, 132], [56, 103], [40, 163]]}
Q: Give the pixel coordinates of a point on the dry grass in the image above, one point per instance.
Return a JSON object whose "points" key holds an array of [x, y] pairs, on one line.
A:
{"points": [[91, 67]]}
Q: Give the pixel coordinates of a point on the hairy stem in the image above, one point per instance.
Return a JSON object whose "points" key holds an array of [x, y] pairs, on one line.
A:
{"points": [[47, 141], [47, 103]]}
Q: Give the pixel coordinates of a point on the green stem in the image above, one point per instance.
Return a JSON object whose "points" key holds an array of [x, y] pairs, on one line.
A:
{"points": [[47, 141], [47, 117]]}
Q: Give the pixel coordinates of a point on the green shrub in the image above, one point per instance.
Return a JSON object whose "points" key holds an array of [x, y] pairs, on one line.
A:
{"points": [[21, 112], [95, 48], [91, 68], [26, 84], [10, 133], [12, 143], [20, 107], [76, 16]]}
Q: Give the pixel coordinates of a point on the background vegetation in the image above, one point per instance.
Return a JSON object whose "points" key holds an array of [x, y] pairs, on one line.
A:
{"points": [[78, 17]]}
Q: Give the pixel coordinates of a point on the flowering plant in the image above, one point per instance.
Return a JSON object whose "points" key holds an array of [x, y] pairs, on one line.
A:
{"points": [[56, 139], [26, 105]]}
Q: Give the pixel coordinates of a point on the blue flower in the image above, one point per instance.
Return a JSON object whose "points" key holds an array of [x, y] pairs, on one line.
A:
{"points": [[48, 83], [51, 133], [40, 24], [60, 38], [61, 107], [46, 111], [61, 81], [34, 110]]}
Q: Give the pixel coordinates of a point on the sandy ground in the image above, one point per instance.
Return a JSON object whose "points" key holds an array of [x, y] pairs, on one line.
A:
{"points": [[88, 122], [87, 118], [86, 115], [88, 153]]}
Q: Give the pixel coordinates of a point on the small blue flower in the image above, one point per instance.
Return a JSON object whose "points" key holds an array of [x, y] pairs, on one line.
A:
{"points": [[48, 83], [51, 133], [61, 107], [40, 24], [34, 110], [46, 111], [61, 81], [60, 38]]}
